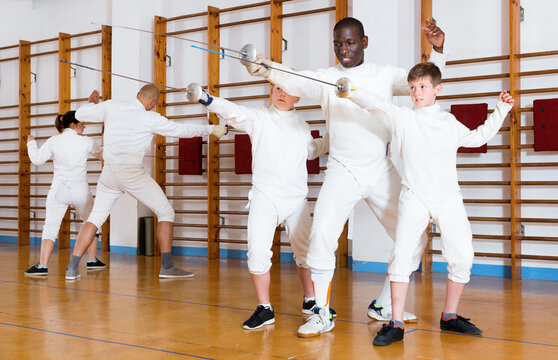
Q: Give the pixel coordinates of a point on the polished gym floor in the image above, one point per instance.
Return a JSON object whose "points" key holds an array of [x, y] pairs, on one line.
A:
{"points": [[127, 312]]}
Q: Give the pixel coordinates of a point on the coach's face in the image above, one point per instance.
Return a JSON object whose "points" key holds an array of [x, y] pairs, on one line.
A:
{"points": [[349, 46]]}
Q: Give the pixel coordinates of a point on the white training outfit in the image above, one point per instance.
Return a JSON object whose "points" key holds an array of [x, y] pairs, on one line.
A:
{"points": [[281, 144], [128, 134], [358, 166], [428, 140], [69, 152]]}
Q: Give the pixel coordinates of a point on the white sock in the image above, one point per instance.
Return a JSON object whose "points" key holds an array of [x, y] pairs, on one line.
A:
{"points": [[321, 279], [266, 305], [306, 299], [385, 295]]}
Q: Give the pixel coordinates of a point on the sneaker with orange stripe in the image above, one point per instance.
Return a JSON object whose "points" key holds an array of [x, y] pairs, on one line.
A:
{"points": [[317, 324]]}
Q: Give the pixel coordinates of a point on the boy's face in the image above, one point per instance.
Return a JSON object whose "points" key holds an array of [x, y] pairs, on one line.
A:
{"points": [[423, 93], [281, 100]]}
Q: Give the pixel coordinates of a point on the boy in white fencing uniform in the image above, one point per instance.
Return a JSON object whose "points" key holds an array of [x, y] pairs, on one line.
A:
{"points": [[358, 167], [129, 130], [69, 151], [281, 144], [429, 138]]}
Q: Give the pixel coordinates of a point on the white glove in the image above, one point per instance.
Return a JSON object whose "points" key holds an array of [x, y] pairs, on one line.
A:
{"points": [[362, 98], [259, 69], [218, 131]]}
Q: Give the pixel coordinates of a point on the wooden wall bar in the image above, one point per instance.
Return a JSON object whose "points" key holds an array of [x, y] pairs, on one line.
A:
{"points": [[106, 94], [64, 93], [213, 176], [64, 101], [160, 64], [515, 137], [276, 55], [24, 178], [342, 11], [425, 49], [515, 163]]}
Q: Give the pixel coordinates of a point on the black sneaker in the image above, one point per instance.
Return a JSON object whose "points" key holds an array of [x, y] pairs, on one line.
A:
{"points": [[36, 271], [97, 264], [459, 324], [262, 316], [308, 307], [387, 334], [316, 310]]}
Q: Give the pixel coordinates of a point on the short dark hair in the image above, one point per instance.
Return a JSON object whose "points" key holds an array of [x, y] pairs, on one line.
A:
{"points": [[423, 70], [349, 22], [63, 121]]}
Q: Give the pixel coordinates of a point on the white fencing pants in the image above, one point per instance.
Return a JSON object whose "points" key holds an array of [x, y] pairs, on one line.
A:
{"points": [[61, 195], [263, 218], [338, 196], [116, 179], [456, 236]]}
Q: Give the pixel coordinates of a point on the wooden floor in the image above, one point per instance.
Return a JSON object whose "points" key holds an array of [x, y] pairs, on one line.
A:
{"points": [[126, 312]]}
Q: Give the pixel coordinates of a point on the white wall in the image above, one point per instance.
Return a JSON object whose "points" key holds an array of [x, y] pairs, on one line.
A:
{"points": [[394, 38]]}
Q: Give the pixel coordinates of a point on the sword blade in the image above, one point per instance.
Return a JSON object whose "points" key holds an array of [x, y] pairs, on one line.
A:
{"points": [[119, 75], [266, 66], [169, 35]]}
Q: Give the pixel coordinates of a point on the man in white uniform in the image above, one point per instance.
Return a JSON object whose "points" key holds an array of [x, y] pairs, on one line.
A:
{"points": [[129, 129], [281, 144], [358, 167]]}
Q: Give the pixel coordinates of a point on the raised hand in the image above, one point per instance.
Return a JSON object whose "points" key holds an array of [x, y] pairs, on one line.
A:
{"points": [[259, 69], [94, 97], [505, 97], [434, 35], [29, 138]]}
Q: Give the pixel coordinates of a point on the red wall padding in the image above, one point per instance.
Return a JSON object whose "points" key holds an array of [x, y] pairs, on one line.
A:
{"points": [[472, 116], [313, 166], [190, 156], [242, 154], [545, 122]]}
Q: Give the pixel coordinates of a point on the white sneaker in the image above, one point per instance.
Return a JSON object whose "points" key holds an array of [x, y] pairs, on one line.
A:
{"points": [[316, 324], [383, 313]]}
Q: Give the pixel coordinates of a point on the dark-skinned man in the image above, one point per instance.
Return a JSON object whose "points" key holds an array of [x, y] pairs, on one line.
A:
{"points": [[358, 167]]}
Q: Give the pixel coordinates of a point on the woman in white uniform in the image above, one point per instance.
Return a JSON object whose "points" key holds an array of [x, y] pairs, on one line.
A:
{"points": [[69, 151]]}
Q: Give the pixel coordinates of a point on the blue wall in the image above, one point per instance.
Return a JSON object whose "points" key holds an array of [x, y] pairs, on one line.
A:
{"points": [[367, 266]]}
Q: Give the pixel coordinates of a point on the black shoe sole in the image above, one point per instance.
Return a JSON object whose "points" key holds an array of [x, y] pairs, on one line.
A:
{"points": [[378, 343], [35, 274], [268, 322], [96, 267], [384, 344], [461, 332]]}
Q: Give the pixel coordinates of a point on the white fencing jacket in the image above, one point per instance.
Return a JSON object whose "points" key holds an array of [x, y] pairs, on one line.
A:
{"points": [[281, 144], [69, 152], [428, 139], [357, 140], [129, 129]]}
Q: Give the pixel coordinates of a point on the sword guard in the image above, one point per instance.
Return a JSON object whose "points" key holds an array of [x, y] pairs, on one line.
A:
{"points": [[193, 92], [248, 54], [343, 87]]}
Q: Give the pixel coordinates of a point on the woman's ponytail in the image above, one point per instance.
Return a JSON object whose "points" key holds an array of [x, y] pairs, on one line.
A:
{"points": [[59, 123], [63, 121]]}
